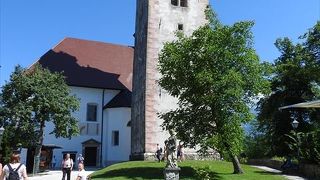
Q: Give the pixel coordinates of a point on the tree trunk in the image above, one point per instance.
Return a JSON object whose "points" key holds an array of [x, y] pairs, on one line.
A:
{"points": [[37, 153], [236, 164]]}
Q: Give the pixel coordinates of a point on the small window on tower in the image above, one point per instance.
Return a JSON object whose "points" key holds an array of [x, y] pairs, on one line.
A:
{"points": [[174, 2], [180, 27], [184, 3]]}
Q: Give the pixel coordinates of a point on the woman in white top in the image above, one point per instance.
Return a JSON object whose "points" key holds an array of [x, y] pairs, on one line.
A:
{"points": [[82, 175], [67, 165], [15, 165]]}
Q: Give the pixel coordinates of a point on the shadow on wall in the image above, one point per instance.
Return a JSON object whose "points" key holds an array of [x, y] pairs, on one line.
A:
{"points": [[79, 75]]}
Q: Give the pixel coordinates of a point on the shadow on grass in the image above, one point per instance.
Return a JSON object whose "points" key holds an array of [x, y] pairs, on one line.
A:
{"points": [[150, 173], [189, 172], [266, 173]]}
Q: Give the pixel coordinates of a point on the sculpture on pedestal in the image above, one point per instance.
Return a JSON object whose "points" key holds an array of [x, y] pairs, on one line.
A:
{"points": [[171, 151], [171, 171]]}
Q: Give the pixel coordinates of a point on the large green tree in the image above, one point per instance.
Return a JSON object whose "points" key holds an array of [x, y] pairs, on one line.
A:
{"points": [[296, 78], [33, 97], [215, 73]]}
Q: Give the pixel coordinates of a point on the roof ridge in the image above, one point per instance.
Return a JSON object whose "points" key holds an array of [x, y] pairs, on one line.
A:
{"points": [[46, 52], [96, 41]]}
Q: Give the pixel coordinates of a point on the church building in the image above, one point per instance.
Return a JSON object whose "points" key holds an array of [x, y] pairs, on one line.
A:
{"points": [[117, 86], [100, 75]]}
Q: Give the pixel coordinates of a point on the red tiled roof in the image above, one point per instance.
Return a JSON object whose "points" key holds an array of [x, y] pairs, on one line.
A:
{"points": [[91, 64]]}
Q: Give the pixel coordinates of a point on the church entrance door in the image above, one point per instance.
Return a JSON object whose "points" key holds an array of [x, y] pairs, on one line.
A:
{"points": [[91, 156], [91, 152]]}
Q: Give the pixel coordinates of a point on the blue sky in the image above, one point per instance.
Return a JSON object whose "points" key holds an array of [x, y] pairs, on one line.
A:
{"points": [[30, 28]]}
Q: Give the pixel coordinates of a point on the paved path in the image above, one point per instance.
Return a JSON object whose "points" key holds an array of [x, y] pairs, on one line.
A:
{"points": [[55, 175], [279, 172]]}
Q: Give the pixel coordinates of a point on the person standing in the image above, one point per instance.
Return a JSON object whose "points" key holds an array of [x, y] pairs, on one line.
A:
{"points": [[180, 153], [53, 162], [0, 170], [67, 165], [14, 168], [82, 172], [80, 159], [158, 153]]}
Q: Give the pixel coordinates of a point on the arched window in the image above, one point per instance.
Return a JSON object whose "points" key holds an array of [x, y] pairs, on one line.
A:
{"points": [[174, 2], [184, 3]]}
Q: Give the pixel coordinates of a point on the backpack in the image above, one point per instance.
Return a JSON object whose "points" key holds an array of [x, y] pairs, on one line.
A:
{"points": [[13, 174]]}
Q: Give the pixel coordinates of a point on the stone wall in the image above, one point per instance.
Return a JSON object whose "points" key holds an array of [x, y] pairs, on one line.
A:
{"points": [[266, 162], [156, 23], [187, 156], [163, 24], [310, 170], [307, 170]]}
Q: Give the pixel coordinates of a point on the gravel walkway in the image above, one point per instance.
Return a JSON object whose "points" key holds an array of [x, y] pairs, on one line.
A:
{"points": [[277, 171]]}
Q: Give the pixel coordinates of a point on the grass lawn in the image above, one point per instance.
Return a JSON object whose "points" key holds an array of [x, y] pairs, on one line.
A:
{"points": [[153, 170]]}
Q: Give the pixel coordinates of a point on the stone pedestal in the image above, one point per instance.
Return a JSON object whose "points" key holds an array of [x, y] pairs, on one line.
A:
{"points": [[171, 173]]}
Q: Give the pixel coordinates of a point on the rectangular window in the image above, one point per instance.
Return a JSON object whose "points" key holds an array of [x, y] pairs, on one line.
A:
{"points": [[174, 2], [115, 138], [180, 27], [91, 112], [183, 3]]}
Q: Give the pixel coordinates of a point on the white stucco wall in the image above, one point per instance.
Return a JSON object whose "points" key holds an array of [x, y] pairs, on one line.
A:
{"points": [[86, 95], [117, 120]]}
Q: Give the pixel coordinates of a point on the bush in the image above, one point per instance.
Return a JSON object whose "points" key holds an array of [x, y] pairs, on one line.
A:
{"points": [[277, 158], [204, 173], [308, 145], [255, 147]]}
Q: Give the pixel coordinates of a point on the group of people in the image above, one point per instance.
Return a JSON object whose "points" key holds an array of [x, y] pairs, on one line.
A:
{"points": [[158, 153], [67, 166], [17, 170]]}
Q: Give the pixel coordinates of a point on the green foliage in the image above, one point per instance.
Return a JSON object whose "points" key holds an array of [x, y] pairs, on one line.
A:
{"points": [[278, 158], [255, 143], [295, 79], [308, 145], [214, 73], [33, 97], [204, 173], [255, 147], [7, 145]]}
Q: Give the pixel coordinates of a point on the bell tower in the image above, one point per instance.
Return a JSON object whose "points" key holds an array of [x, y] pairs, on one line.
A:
{"points": [[156, 23]]}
